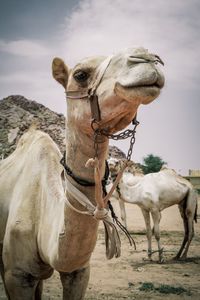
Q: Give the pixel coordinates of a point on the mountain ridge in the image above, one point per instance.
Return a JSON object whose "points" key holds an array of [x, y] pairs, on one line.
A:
{"points": [[18, 113]]}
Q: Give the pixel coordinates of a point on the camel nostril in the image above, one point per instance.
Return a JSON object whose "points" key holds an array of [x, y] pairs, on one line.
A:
{"points": [[136, 59], [150, 58]]}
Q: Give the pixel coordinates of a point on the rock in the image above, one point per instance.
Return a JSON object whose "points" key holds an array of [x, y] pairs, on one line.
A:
{"points": [[12, 134], [116, 152], [17, 114]]}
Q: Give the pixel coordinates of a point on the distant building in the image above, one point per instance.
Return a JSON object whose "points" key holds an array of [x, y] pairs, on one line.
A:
{"points": [[194, 178], [194, 172]]}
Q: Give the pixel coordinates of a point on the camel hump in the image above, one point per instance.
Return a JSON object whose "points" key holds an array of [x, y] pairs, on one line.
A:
{"points": [[164, 168], [33, 137], [30, 135]]}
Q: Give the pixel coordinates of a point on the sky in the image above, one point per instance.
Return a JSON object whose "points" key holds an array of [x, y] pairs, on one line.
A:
{"points": [[33, 32]]}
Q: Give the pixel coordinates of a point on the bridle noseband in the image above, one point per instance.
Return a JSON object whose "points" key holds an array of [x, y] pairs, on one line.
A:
{"points": [[91, 91]]}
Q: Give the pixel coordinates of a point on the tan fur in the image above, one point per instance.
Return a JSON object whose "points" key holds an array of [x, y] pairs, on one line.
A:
{"points": [[38, 231], [153, 193]]}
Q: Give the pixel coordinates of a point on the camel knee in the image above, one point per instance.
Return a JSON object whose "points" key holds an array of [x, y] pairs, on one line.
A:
{"points": [[75, 283], [190, 224], [189, 213], [20, 285], [149, 234], [157, 235], [19, 277], [123, 212], [190, 233]]}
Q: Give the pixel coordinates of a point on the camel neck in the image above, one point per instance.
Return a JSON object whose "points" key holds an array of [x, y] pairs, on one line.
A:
{"points": [[79, 149]]}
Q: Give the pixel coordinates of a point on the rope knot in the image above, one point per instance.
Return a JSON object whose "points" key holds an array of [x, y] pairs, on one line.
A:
{"points": [[100, 213]]}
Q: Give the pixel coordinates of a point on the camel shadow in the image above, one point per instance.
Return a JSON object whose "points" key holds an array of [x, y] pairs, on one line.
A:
{"points": [[170, 261]]}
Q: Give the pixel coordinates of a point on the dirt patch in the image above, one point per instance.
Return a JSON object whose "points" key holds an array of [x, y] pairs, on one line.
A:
{"points": [[132, 277]]}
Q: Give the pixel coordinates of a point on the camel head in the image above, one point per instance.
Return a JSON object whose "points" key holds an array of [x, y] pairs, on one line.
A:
{"points": [[115, 165], [121, 83]]}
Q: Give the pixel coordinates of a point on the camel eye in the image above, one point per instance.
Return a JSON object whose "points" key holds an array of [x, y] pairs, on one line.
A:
{"points": [[80, 76]]}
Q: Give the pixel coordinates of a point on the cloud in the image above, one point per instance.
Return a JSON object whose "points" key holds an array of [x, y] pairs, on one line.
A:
{"points": [[26, 48], [169, 28], [35, 85]]}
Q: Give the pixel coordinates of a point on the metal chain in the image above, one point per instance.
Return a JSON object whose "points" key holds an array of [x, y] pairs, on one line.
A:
{"points": [[128, 133], [123, 135], [132, 142]]}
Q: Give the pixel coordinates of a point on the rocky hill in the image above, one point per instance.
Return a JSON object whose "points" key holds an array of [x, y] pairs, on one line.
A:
{"points": [[17, 114]]}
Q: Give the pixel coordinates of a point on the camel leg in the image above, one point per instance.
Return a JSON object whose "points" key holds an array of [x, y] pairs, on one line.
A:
{"points": [[148, 231], [156, 216], [185, 239], [38, 291], [185, 224], [2, 269], [123, 212], [189, 213], [190, 236], [75, 284], [20, 285]]}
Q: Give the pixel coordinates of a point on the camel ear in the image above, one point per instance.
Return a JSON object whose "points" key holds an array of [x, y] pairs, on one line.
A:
{"points": [[60, 71]]}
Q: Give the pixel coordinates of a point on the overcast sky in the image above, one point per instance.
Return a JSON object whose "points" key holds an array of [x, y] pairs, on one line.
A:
{"points": [[33, 32]]}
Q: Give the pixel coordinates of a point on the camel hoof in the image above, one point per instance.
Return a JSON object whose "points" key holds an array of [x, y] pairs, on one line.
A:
{"points": [[183, 258], [147, 259], [175, 258], [161, 260]]}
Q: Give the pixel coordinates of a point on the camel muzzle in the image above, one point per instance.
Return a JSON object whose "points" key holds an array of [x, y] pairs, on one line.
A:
{"points": [[90, 92]]}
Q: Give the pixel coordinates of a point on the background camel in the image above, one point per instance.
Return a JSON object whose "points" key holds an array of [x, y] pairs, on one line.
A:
{"points": [[39, 232], [153, 193]]}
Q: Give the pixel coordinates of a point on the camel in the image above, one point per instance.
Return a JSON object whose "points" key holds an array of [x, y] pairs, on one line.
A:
{"points": [[43, 226], [153, 193]]}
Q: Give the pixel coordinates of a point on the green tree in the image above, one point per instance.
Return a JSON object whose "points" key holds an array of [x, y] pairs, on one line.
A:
{"points": [[152, 164]]}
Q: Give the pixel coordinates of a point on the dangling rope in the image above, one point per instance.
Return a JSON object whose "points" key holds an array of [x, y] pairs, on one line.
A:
{"points": [[112, 239], [120, 225]]}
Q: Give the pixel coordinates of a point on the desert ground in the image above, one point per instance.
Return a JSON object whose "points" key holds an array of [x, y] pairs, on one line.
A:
{"points": [[131, 276]]}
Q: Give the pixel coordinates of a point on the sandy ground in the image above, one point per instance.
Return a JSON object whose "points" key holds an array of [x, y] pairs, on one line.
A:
{"points": [[130, 276]]}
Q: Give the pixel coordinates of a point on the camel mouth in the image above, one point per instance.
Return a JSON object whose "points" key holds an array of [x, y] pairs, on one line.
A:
{"points": [[156, 85], [145, 92]]}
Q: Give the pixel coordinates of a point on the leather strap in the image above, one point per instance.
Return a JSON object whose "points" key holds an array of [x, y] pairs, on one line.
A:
{"points": [[90, 93], [82, 181], [95, 110], [77, 95]]}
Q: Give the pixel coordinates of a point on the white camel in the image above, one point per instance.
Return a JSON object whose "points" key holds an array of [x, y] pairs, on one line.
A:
{"points": [[39, 230], [153, 193]]}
